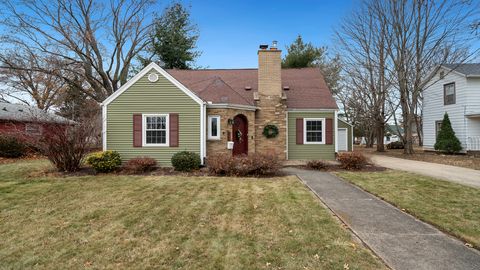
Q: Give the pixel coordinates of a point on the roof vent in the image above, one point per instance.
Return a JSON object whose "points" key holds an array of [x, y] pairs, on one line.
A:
{"points": [[248, 88], [5, 109], [286, 88], [263, 46], [20, 110]]}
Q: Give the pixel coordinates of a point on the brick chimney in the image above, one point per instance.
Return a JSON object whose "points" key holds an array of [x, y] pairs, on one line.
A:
{"points": [[271, 103], [269, 70]]}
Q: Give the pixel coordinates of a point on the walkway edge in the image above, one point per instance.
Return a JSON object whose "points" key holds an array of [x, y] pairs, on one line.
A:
{"points": [[343, 221]]}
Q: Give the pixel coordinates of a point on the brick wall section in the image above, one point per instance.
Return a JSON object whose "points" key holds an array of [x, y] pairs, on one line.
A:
{"points": [[272, 109], [220, 146]]}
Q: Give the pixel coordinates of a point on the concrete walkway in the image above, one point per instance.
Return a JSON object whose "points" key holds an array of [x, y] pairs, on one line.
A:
{"points": [[455, 174], [401, 240]]}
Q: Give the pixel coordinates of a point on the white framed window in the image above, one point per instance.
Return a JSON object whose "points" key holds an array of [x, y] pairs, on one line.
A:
{"points": [[314, 130], [155, 130], [32, 129], [214, 127]]}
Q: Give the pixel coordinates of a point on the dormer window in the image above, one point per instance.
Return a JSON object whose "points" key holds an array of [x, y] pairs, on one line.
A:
{"points": [[449, 93]]}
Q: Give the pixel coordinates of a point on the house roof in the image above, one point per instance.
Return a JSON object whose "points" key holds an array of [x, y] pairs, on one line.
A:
{"points": [[23, 113], [307, 87], [469, 70]]}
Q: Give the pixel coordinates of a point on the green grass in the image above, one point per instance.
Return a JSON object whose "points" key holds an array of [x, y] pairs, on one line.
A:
{"points": [[170, 222], [452, 207]]}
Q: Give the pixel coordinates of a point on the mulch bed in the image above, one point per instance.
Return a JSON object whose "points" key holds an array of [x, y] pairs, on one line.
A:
{"points": [[338, 168]]}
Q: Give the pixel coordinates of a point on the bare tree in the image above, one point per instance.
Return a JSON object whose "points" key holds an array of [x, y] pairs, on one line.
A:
{"points": [[363, 39], [29, 84], [424, 34], [95, 40]]}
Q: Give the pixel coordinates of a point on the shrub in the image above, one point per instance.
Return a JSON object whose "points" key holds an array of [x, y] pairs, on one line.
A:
{"points": [[11, 147], [254, 165], [106, 161], [317, 165], [446, 139], [186, 161], [65, 146], [352, 160], [140, 165], [396, 145]]}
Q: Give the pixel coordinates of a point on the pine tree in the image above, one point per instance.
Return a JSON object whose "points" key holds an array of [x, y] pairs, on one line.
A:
{"points": [[301, 55], [173, 40], [446, 139]]}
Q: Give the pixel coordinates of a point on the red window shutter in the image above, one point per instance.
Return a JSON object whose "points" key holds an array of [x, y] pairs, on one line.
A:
{"points": [[329, 131], [137, 130], [299, 130], [173, 125]]}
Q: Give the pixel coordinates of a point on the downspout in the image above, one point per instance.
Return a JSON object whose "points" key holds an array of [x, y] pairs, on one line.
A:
{"points": [[104, 127], [203, 148], [336, 131]]}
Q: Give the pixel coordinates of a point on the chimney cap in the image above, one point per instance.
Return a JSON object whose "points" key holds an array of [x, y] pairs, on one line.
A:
{"points": [[274, 44], [263, 46]]}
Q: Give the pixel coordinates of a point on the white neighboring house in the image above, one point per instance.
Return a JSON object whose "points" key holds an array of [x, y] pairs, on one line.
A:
{"points": [[454, 89]]}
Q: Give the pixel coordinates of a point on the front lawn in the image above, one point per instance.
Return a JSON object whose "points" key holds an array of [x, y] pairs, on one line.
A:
{"points": [[119, 221], [453, 208]]}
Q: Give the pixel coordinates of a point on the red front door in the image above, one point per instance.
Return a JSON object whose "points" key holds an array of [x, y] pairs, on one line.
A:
{"points": [[240, 135]]}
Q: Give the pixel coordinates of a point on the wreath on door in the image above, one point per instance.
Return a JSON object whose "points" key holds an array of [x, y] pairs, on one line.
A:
{"points": [[270, 131]]}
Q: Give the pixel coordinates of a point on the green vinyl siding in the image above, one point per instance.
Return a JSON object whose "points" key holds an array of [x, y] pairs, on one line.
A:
{"points": [[308, 151], [145, 97], [343, 124]]}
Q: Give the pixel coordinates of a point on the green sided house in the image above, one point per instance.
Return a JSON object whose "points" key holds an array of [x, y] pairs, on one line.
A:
{"points": [[287, 112]]}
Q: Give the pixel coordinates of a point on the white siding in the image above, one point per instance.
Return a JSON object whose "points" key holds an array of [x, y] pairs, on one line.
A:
{"points": [[467, 101]]}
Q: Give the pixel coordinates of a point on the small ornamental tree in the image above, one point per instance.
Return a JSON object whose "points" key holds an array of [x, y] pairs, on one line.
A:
{"points": [[446, 139]]}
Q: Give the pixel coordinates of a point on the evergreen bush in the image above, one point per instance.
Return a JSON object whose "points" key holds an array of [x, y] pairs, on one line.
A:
{"points": [[446, 139]]}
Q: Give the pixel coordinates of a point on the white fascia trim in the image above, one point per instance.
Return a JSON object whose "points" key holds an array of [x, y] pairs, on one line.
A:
{"points": [[339, 119], [232, 106], [305, 130], [336, 131], [312, 110], [203, 142], [142, 73], [104, 127]]}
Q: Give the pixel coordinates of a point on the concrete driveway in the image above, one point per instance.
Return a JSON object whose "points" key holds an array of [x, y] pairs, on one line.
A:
{"points": [[455, 174]]}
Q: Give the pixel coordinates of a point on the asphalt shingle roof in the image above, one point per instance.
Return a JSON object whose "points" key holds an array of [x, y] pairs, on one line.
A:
{"points": [[472, 69], [23, 113], [307, 87]]}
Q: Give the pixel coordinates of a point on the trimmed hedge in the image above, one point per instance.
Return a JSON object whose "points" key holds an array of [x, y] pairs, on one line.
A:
{"points": [[11, 147], [106, 161], [140, 165], [252, 165], [352, 160], [186, 161]]}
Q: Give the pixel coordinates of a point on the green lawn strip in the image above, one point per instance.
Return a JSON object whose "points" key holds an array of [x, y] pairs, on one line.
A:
{"points": [[115, 221], [451, 207]]}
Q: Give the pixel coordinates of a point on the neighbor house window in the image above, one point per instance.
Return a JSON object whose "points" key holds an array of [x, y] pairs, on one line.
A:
{"points": [[214, 127], [449, 94], [155, 129], [438, 127], [314, 131], [32, 129]]}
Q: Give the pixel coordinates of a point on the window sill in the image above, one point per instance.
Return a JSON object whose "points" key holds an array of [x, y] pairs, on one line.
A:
{"points": [[313, 143], [155, 145]]}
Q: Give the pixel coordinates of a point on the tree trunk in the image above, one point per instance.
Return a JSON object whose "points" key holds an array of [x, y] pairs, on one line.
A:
{"points": [[380, 135]]}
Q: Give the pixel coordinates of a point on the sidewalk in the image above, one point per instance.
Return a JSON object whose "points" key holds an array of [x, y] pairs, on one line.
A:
{"points": [[455, 174], [401, 240]]}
